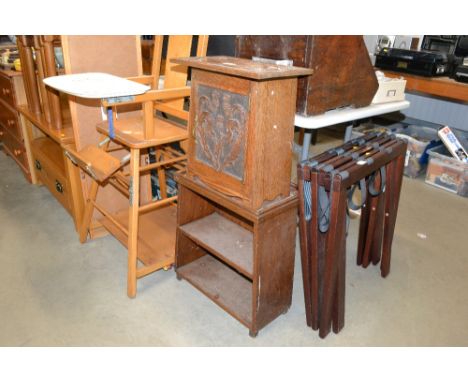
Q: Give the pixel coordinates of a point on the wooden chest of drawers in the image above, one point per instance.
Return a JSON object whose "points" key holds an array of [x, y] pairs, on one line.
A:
{"points": [[12, 133], [49, 164]]}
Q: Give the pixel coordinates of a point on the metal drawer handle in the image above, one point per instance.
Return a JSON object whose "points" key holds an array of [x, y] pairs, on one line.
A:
{"points": [[58, 187], [38, 165], [1, 133], [17, 152], [5, 91], [10, 122]]}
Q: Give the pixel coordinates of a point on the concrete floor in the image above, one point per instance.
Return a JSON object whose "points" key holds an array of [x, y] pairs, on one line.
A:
{"points": [[58, 292]]}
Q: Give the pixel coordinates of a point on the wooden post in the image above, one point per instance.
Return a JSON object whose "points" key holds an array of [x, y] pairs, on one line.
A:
{"points": [[42, 75], [148, 123], [133, 222], [50, 70], [28, 68]]}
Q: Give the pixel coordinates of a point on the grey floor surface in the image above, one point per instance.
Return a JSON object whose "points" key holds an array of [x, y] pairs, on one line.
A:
{"points": [[58, 292]]}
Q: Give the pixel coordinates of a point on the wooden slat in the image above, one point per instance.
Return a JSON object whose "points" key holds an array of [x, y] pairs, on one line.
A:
{"points": [[109, 216], [153, 95], [202, 45], [165, 108], [156, 64], [162, 163], [158, 204], [156, 234], [145, 80]]}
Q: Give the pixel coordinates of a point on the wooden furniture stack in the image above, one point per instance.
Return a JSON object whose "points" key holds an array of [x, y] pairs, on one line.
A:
{"points": [[47, 120], [13, 133], [236, 211], [145, 226], [54, 122], [326, 184]]}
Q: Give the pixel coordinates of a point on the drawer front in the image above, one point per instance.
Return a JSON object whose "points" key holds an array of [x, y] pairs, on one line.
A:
{"points": [[58, 187], [16, 149], [54, 181], [6, 90], [9, 121]]}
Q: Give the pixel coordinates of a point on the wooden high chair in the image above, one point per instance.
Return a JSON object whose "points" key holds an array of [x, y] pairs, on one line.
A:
{"points": [[147, 230]]}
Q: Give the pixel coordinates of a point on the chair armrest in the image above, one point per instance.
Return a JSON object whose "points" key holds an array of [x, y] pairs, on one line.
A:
{"points": [[145, 80], [151, 95]]}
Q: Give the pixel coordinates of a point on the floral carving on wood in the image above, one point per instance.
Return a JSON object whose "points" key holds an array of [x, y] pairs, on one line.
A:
{"points": [[220, 130]]}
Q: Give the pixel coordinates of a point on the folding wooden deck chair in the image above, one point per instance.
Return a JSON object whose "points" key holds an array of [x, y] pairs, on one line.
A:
{"points": [[147, 230]]}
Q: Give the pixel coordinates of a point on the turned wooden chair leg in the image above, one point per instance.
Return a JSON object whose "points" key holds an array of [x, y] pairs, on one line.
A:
{"points": [[133, 222], [88, 211]]}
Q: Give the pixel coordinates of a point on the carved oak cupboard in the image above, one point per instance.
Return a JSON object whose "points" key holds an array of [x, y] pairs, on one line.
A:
{"points": [[236, 212]]}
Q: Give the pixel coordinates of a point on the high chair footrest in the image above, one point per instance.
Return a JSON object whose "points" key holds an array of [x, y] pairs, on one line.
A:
{"points": [[94, 161]]}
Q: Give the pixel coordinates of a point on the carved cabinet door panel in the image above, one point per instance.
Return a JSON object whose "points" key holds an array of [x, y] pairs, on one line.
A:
{"points": [[219, 126]]}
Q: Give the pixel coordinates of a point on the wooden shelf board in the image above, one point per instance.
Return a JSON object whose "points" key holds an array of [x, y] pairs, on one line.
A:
{"points": [[225, 239], [156, 234], [62, 136], [225, 287]]}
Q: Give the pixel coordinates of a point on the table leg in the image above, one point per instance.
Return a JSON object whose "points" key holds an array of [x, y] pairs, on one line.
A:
{"points": [[306, 145], [348, 133]]}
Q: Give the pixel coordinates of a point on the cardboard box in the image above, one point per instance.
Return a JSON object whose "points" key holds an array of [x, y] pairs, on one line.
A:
{"points": [[390, 90]]}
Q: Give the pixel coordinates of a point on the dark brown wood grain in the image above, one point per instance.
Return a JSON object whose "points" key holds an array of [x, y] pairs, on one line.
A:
{"points": [[387, 247], [338, 319], [376, 249], [333, 254], [233, 66], [342, 72], [241, 129], [304, 241], [271, 255], [325, 279]]}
